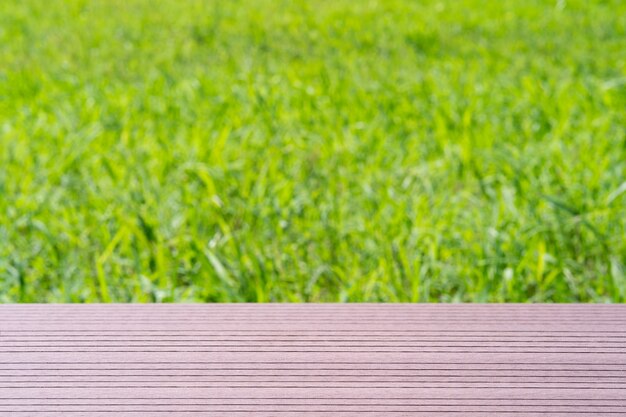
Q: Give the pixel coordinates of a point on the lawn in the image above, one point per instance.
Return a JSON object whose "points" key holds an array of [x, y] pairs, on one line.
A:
{"points": [[312, 150]]}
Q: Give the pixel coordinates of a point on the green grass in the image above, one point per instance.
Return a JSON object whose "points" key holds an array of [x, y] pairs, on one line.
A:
{"points": [[312, 150]]}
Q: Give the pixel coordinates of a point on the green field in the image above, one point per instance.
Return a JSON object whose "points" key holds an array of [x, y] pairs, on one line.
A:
{"points": [[312, 150]]}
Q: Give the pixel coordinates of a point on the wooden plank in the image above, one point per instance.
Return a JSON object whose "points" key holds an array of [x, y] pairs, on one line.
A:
{"points": [[268, 360]]}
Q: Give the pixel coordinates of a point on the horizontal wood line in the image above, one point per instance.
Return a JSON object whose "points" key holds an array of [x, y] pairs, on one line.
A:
{"points": [[325, 331], [322, 381], [343, 375], [308, 321], [313, 333], [315, 345], [420, 386], [310, 351], [489, 317], [588, 403], [185, 404], [308, 316], [249, 411], [324, 338], [312, 398], [330, 316], [339, 407], [316, 362], [313, 369]]}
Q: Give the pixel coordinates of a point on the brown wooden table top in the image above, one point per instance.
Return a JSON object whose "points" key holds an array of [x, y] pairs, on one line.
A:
{"points": [[324, 359]]}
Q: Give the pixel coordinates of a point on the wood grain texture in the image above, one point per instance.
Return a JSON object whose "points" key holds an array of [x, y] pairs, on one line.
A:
{"points": [[330, 360]]}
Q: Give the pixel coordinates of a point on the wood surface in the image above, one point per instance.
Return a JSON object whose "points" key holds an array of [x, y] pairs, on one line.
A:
{"points": [[324, 359]]}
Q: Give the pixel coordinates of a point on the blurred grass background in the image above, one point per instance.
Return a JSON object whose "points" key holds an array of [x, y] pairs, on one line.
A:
{"points": [[318, 150]]}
